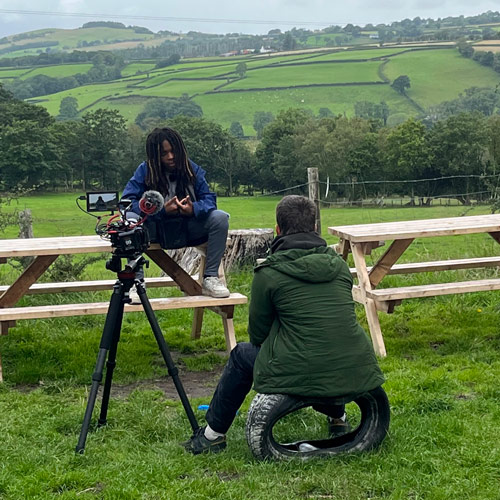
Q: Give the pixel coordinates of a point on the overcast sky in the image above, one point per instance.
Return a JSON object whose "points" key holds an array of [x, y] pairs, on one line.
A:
{"points": [[226, 16]]}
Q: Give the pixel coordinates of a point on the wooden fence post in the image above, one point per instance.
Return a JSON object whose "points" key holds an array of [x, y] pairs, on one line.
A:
{"points": [[26, 231], [313, 180]]}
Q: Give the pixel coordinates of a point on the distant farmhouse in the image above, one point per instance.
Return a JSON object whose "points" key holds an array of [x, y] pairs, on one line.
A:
{"points": [[238, 52]]}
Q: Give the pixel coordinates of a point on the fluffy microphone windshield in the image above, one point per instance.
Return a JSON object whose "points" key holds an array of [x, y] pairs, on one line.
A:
{"points": [[151, 202]]}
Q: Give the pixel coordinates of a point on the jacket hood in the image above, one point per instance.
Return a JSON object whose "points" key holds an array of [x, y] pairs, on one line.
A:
{"points": [[304, 256]]}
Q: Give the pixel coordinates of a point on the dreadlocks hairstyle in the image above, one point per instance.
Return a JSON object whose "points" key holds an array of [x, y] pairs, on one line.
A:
{"points": [[157, 176]]}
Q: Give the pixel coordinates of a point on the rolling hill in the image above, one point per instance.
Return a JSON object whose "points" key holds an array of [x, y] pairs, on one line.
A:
{"points": [[334, 80]]}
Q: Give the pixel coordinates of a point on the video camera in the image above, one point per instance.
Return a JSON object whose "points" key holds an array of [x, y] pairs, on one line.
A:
{"points": [[129, 238], [125, 230]]}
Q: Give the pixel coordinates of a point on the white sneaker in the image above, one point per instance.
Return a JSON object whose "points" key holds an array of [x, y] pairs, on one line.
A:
{"points": [[305, 447], [134, 296], [214, 287]]}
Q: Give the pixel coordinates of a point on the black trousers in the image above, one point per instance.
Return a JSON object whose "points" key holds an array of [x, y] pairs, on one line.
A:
{"points": [[234, 385]]}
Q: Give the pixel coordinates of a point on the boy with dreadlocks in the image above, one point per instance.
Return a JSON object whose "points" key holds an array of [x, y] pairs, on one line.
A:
{"points": [[189, 216]]}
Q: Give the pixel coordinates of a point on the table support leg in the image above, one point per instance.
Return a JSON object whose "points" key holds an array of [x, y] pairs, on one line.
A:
{"points": [[495, 236], [227, 322], [390, 257], [199, 311], [370, 307], [191, 287]]}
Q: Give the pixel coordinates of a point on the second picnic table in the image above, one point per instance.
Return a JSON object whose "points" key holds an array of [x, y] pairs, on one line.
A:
{"points": [[361, 239]]}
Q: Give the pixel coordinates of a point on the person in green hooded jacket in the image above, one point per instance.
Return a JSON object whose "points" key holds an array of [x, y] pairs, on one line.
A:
{"points": [[304, 336]]}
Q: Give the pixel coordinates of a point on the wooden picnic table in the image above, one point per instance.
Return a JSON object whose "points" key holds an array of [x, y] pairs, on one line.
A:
{"points": [[46, 250], [361, 239]]}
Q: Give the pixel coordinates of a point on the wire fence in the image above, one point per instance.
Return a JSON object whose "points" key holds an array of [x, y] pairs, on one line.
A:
{"points": [[442, 191]]}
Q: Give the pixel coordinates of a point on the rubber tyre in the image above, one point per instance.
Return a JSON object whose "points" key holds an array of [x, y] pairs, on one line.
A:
{"points": [[267, 409]]}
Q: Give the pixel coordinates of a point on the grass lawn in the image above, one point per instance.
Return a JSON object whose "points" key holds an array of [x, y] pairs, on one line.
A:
{"points": [[442, 373], [439, 75]]}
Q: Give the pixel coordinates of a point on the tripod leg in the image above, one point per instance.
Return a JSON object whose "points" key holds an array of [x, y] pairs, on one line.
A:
{"points": [[115, 312], [172, 369], [110, 367]]}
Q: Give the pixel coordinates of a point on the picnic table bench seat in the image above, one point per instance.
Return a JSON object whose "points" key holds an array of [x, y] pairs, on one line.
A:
{"points": [[387, 298], [84, 309], [439, 265]]}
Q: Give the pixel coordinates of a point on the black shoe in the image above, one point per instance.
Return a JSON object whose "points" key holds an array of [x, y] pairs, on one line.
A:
{"points": [[338, 427], [198, 443]]}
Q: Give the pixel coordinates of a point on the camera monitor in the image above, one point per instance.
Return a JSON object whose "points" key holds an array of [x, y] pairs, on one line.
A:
{"points": [[102, 201]]}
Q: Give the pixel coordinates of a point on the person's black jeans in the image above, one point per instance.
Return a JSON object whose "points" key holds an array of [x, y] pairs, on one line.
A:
{"points": [[234, 385]]}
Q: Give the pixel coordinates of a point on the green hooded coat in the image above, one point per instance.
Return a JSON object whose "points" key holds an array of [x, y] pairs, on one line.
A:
{"points": [[302, 315]]}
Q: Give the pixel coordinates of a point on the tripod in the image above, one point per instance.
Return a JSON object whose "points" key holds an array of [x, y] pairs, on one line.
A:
{"points": [[109, 345]]}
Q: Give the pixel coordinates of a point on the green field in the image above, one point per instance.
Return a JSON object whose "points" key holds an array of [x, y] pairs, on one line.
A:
{"points": [[72, 38], [188, 73], [435, 75], [59, 71], [85, 95], [241, 106], [439, 75], [308, 74], [175, 88], [357, 54], [13, 73], [323, 40], [133, 68], [442, 373]]}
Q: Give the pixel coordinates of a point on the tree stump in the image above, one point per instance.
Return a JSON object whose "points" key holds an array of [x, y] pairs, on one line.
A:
{"points": [[244, 246]]}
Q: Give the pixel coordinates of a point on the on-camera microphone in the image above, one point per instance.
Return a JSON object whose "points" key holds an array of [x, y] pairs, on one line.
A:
{"points": [[151, 202]]}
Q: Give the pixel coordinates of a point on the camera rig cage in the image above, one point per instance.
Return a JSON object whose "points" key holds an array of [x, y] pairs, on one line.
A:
{"points": [[129, 237]]}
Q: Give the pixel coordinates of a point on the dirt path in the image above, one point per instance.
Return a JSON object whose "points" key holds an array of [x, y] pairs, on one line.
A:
{"points": [[196, 384]]}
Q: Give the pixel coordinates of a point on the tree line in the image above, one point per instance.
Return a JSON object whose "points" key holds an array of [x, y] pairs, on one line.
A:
{"points": [[106, 66], [359, 157]]}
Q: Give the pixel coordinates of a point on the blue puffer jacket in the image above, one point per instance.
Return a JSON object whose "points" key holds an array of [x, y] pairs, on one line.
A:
{"points": [[171, 230], [205, 201]]}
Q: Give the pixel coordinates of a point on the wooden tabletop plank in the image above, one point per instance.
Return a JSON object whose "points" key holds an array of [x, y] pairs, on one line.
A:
{"points": [[50, 246], [418, 228], [23, 247]]}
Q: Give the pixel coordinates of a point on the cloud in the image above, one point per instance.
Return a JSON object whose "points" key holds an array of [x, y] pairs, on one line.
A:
{"points": [[72, 5], [289, 12]]}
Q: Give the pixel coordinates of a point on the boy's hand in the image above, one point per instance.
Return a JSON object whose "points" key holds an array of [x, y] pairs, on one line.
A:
{"points": [[171, 206], [185, 206]]}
